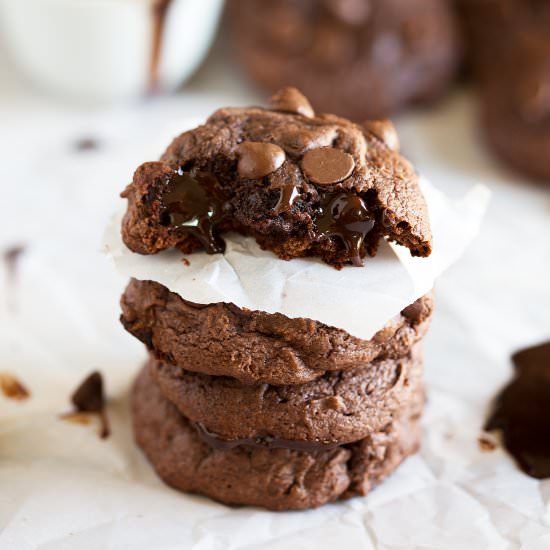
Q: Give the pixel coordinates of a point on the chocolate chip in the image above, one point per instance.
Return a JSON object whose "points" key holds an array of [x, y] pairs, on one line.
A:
{"points": [[345, 215], [293, 101], [12, 388], [327, 165], [257, 160], [385, 131], [195, 204]]}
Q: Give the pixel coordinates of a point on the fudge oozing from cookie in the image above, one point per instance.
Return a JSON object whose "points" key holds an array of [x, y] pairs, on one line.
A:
{"points": [[299, 183]]}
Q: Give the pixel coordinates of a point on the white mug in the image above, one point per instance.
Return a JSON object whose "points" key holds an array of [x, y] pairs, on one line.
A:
{"points": [[102, 50]]}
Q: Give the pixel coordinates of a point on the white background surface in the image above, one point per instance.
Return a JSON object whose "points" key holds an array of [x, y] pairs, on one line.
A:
{"points": [[61, 487]]}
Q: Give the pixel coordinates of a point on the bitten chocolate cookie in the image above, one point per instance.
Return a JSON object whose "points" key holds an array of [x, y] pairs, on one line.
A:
{"points": [[337, 408], [274, 478], [356, 58], [254, 346], [301, 184]]}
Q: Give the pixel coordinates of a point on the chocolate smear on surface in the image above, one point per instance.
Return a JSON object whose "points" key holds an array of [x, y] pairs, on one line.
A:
{"points": [[345, 215], [12, 388], [217, 442], [522, 411], [159, 11], [195, 204], [89, 398]]}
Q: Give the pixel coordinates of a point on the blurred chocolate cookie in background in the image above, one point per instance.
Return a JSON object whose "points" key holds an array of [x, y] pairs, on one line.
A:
{"points": [[508, 45], [356, 58]]}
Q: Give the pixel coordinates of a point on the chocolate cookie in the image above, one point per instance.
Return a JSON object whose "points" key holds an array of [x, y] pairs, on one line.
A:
{"points": [[254, 346], [274, 478], [510, 52], [339, 407], [356, 58], [515, 112], [300, 184]]}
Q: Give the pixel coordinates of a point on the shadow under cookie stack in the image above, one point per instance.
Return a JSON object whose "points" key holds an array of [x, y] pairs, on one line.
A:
{"points": [[257, 408]]}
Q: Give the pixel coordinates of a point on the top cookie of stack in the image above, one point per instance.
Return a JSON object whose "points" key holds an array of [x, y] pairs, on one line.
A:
{"points": [[301, 184]]}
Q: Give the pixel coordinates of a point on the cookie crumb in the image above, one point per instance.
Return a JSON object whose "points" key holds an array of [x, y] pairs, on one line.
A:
{"points": [[186, 262], [12, 388], [486, 444]]}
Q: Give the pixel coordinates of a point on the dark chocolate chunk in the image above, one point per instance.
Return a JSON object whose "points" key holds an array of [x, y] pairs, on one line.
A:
{"points": [[89, 398], [291, 100], [194, 204], [522, 411], [327, 165], [257, 160], [346, 216]]}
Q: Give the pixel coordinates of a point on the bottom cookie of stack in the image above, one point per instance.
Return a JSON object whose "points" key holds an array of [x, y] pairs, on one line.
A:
{"points": [[262, 473]]}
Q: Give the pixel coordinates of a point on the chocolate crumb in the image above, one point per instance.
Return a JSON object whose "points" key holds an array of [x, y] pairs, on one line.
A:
{"points": [[89, 398], [186, 262], [485, 444], [12, 388]]}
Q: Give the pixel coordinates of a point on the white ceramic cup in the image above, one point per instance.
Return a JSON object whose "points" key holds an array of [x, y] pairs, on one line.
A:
{"points": [[100, 50]]}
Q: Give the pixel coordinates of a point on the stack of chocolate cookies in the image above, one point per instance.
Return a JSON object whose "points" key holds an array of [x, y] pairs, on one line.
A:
{"points": [[250, 407]]}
